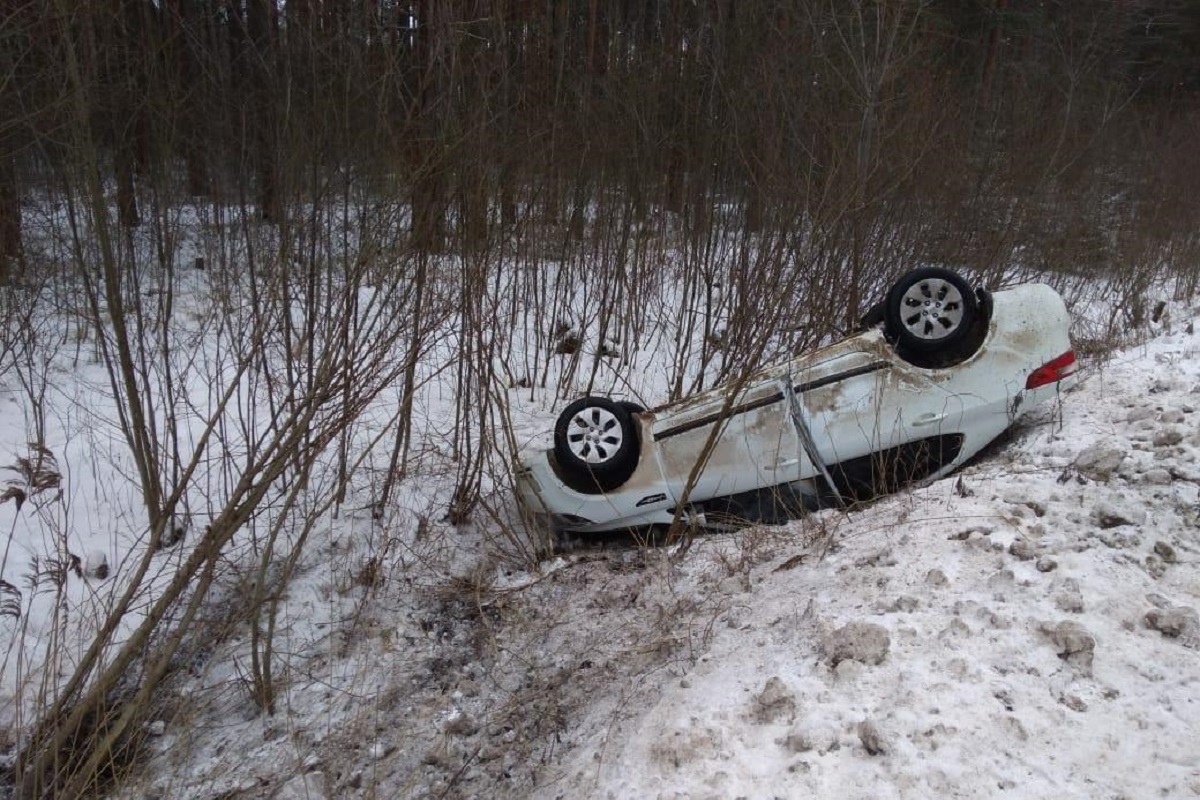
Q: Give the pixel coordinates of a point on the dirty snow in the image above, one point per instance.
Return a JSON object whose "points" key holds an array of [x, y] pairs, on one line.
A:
{"points": [[1042, 629], [1025, 628]]}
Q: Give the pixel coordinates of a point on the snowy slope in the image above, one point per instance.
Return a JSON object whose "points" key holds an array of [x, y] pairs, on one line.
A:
{"points": [[1021, 629], [985, 636], [979, 692]]}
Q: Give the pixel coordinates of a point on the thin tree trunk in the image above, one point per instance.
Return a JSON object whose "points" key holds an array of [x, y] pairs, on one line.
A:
{"points": [[260, 25], [473, 198], [127, 207], [990, 57], [10, 222], [428, 214], [430, 187], [187, 27], [398, 465]]}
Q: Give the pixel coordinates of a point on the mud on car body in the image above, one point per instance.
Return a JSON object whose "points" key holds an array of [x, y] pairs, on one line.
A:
{"points": [[942, 371]]}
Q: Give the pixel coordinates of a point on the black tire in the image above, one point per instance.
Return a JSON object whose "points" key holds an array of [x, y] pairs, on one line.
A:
{"points": [[631, 407], [872, 318], [930, 310], [596, 444]]}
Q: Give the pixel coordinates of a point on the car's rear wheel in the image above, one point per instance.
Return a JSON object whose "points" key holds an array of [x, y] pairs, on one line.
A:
{"points": [[930, 310], [596, 443]]}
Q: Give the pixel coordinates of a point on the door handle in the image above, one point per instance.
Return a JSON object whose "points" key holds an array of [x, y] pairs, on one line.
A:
{"points": [[928, 419]]}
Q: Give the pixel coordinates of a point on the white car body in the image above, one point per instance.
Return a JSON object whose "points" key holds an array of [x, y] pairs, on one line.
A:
{"points": [[852, 399]]}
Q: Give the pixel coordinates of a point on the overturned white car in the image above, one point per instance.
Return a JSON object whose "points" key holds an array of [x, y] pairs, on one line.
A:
{"points": [[943, 371]]}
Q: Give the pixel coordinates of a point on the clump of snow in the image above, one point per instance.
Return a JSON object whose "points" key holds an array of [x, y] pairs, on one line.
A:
{"points": [[872, 738], [1073, 644], [1099, 462], [774, 702], [1181, 622], [865, 642]]}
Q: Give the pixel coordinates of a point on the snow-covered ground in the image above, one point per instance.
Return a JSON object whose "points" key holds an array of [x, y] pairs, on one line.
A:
{"points": [[992, 634], [1014, 630], [1024, 628]]}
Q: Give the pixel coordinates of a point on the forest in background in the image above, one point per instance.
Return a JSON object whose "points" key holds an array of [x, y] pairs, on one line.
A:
{"points": [[967, 129]]}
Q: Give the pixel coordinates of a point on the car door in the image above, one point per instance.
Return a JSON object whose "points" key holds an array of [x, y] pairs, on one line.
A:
{"points": [[753, 440], [864, 409]]}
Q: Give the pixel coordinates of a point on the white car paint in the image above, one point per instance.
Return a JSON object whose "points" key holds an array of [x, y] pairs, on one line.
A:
{"points": [[856, 397]]}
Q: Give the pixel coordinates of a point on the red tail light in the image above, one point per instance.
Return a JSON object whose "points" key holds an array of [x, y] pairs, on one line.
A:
{"points": [[1052, 371]]}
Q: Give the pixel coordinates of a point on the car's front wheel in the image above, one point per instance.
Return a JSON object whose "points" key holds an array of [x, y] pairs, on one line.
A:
{"points": [[930, 310], [596, 444]]}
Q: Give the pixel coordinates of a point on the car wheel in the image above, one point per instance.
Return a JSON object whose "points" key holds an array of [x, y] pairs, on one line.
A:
{"points": [[930, 310], [596, 444]]}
